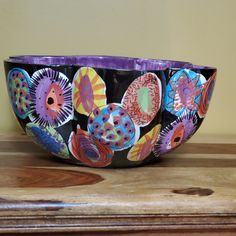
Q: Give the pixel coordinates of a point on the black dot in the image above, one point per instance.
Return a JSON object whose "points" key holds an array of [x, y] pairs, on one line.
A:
{"points": [[177, 139], [50, 100]]}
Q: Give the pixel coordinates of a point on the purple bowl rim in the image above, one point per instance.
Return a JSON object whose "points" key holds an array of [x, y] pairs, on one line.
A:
{"points": [[103, 62]]}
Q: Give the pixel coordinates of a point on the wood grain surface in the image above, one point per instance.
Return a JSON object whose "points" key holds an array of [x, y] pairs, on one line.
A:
{"points": [[190, 191]]}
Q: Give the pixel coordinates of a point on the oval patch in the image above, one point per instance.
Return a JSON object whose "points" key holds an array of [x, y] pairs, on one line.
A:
{"points": [[19, 92], [142, 99], [89, 91], [113, 127]]}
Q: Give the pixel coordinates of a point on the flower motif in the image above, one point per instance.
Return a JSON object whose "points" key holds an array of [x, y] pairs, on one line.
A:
{"points": [[183, 92], [206, 95], [49, 139], [142, 99], [51, 98], [88, 150], [113, 127], [145, 145], [19, 91], [176, 133], [89, 91]]}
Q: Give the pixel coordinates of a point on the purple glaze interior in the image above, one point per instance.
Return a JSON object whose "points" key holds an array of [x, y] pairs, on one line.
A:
{"points": [[108, 62]]}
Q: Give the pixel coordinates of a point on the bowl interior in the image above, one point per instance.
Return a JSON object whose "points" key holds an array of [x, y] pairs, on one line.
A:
{"points": [[107, 62]]}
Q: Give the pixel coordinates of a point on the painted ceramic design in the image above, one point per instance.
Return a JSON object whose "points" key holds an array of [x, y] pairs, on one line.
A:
{"points": [[176, 133], [49, 139], [183, 92], [91, 110], [113, 127], [89, 91], [142, 99], [18, 87], [206, 96], [88, 150], [143, 148], [51, 96]]}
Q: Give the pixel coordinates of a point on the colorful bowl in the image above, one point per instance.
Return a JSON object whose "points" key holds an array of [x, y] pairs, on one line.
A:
{"points": [[102, 111]]}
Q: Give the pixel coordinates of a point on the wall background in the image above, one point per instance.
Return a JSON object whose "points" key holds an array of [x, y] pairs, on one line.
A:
{"points": [[200, 31]]}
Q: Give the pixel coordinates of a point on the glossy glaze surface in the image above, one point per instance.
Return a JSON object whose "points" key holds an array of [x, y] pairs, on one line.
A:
{"points": [[103, 111]]}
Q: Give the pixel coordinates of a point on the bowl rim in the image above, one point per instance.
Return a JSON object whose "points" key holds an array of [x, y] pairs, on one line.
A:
{"points": [[103, 62]]}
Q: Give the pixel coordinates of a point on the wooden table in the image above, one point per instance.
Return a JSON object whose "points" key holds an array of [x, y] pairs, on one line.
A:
{"points": [[190, 191]]}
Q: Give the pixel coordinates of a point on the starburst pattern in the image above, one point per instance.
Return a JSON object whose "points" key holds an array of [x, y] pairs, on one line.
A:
{"points": [[89, 91], [183, 92], [51, 98], [176, 133]]}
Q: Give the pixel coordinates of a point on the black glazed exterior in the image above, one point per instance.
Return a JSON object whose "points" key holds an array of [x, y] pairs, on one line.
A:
{"points": [[108, 111]]}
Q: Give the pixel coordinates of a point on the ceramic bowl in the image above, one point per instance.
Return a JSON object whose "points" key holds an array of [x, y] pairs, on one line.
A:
{"points": [[103, 111]]}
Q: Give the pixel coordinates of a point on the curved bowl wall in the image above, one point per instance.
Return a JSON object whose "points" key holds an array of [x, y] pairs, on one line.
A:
{"points": [[102, 111]]}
